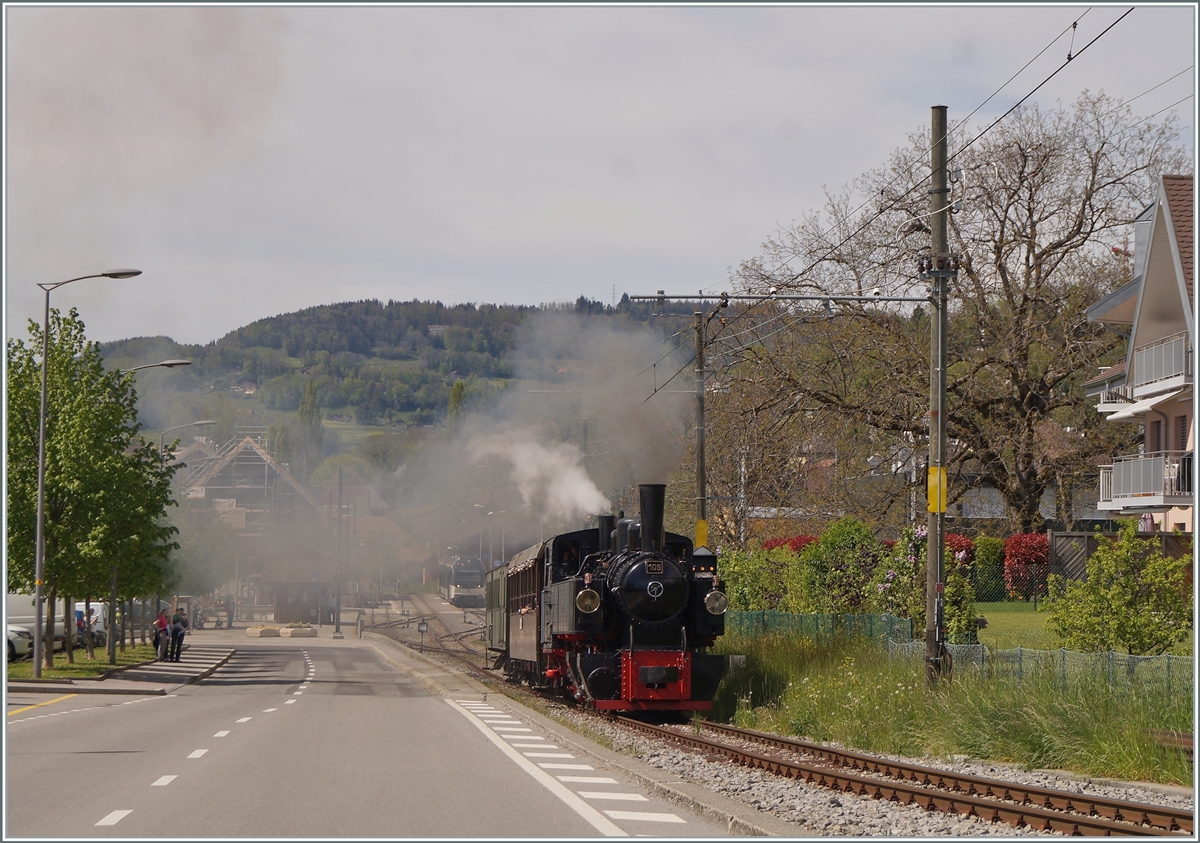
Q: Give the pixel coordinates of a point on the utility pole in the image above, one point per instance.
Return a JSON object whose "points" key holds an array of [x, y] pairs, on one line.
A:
{"points": [[337, 567], [701, 480], [939, 269]]}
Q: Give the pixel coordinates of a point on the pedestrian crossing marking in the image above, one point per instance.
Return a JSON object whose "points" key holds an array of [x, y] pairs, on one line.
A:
{"points": [[566, 766], [586, 779], [645, 816], [623, 797]]}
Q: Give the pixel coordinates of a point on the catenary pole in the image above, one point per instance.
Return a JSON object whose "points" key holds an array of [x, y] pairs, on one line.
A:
{"points": [[937, 662], [701, 479]]}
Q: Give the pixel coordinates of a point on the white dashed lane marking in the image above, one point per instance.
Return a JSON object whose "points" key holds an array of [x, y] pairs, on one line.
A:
{"points": [[115, 817], [221, 734], [163, 781], [266, 710], [289, 702], [198, 753]]}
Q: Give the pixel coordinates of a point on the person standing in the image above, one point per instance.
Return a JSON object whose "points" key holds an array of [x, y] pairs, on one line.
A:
{"points": [[162, 635], [176, 637]]}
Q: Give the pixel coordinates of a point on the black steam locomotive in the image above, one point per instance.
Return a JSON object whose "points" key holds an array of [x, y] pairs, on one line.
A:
{"points": [[619, 617]]}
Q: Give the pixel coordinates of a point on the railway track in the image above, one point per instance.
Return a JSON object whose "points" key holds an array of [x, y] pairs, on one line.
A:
{"points": [[931, 788]]}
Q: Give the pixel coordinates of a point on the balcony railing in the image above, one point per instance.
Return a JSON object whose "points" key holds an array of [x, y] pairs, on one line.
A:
{"points": [[1163, 478], [1169, 358]]}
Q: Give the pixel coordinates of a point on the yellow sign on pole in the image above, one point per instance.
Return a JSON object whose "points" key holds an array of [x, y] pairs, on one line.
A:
{"points": [[701, 533], [936, 489]]}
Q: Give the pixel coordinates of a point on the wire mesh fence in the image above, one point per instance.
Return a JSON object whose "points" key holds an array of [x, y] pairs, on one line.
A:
{"points": [[1176, 674], [880, 627]]}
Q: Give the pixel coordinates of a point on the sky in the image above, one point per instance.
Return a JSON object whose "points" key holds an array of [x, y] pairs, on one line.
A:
{"points": [[253, 161]]}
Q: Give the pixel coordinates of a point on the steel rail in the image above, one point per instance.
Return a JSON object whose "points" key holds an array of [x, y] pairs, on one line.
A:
{"points": [[906, 793], [1160, 816]]}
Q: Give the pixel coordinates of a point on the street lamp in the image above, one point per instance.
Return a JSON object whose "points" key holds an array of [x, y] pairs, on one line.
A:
{"points": [[201, 423], [165, 364], [39, 551]]}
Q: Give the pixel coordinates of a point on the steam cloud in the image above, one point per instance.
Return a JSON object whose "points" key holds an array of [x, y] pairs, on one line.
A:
{"points": [[549, 477]]}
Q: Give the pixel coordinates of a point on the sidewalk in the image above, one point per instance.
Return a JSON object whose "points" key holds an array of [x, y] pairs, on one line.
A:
{"points": [[152, 678]]}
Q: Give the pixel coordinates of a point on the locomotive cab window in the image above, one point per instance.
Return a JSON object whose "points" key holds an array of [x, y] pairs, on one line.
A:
{"points": [[565, 559]]}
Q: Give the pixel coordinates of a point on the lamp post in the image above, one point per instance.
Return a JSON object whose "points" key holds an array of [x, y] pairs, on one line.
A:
{"points": [[201, 423], [39, 551]]}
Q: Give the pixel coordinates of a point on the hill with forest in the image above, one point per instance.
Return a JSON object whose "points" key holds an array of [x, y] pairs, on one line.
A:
{"points": [[371, 362]]}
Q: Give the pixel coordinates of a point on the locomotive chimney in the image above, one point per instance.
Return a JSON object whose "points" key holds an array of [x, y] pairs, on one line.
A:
{"points": [[653, 499], [608, 523]]}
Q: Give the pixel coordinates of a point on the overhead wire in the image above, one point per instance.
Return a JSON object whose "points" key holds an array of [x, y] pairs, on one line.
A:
{"points": [[960, 123], [896, 201]]}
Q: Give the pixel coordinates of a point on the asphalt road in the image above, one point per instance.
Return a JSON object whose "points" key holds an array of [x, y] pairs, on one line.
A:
{"points": [[309, 738]]}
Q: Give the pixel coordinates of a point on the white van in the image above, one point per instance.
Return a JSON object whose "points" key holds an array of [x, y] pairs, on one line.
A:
{"points": [[18, 611]]}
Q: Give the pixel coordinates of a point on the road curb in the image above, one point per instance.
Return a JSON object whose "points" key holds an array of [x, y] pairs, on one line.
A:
{"points": [[84, 689], [211, 670]]}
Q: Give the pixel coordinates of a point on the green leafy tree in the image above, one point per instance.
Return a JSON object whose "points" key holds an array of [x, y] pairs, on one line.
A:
{"points": [[1134, 598], [455, 411], [1046, 196], [106, 492], [312, 434]]}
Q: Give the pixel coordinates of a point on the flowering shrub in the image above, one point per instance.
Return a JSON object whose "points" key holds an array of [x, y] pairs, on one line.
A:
{"points": [[897, 585], [960, 550], [795, 543], [1026, 564]]}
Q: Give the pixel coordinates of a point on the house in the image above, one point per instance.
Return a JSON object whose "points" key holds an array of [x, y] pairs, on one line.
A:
{"points": [[1153, 387]]}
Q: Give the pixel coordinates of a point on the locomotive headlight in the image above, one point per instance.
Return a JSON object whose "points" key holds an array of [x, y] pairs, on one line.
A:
{"points": [[587, 601], [716, 602]]}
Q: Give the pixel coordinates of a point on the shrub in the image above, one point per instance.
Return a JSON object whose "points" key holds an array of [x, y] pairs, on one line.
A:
{"points": [[795, 543], [1134, 598], [989, 569], [1026, 564], [898, 584], [834, 571], [960, 550], [755, 580]]}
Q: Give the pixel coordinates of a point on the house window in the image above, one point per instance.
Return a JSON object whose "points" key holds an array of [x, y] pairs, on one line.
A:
{"points": [[1155, 438], [1183, 431]]}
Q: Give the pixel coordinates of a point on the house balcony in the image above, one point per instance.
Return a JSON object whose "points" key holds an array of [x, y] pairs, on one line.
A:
{"points": [[1147, 481], [1162, 365], [1114, 399]]}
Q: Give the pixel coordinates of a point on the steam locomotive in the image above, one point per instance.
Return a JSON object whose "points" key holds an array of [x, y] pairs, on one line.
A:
{"points": [[618, 617]]}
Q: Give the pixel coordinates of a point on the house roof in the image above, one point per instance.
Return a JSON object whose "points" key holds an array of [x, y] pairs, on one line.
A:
{"points": [[1117, 370], [1118, 306], [1179, 200], [249, 444]]}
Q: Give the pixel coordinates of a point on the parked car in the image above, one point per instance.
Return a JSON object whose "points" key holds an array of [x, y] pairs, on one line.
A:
{"points": [[20, 642]]}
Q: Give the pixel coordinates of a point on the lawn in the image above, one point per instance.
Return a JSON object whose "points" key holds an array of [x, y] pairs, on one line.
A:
{"points": [[82, 669], [1016, 624]]}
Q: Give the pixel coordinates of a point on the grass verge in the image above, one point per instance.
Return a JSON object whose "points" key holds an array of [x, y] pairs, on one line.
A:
{"points": [[849, 691], [82, 668]]}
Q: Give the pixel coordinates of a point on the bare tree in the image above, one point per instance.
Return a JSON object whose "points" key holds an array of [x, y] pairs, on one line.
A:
{"points": [[1047, 199]]}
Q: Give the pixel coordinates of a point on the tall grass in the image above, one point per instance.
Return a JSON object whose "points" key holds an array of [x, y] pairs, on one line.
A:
{"points": [[849, 691]]}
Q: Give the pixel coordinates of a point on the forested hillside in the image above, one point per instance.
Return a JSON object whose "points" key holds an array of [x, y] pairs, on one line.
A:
{"points": [[371, 362]]}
